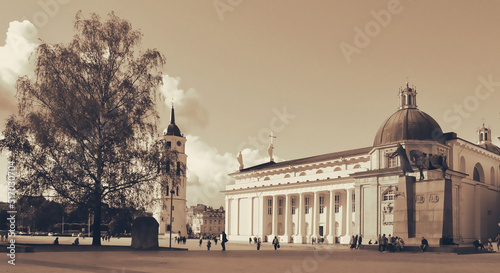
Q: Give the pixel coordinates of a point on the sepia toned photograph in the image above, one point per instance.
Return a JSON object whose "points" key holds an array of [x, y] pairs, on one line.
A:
{"points": [[249, 136]]}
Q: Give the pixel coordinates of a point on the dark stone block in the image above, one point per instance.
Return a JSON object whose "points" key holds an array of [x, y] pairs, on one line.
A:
{"points": [[145, 233]]}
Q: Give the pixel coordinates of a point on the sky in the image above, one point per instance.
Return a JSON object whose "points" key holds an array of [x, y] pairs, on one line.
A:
{"points": [[322, 75]]}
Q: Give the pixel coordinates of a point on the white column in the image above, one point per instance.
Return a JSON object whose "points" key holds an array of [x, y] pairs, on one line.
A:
{"points": [[287, 218], [260, 231], [275, 216], [348, 215], [252, 219], [358, 218], [299, 237], [238, 216], [331, 219], [315, 216], [228, 216]]}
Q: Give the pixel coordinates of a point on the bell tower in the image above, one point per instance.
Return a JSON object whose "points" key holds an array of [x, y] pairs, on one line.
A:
{"points": [[174, 196]]}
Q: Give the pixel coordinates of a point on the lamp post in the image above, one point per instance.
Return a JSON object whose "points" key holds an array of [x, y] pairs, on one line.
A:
{"points": [[172, 192]]}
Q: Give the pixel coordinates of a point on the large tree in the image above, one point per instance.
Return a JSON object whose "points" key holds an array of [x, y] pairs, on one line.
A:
{"points": [[86, 127]]}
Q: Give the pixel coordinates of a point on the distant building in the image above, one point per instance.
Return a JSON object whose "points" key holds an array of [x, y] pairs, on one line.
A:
{"points": [[175, 141], [205, 221]]}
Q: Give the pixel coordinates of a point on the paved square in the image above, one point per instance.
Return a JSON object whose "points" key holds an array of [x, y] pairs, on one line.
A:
{"points": [[244, 258]]}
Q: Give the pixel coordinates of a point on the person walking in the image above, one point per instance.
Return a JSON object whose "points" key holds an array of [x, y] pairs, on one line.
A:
{"points": [[276, 243], [360, 239], [380, 243], [352, 243], [384, 243], [209, 244], [498, 242], [258, 244], [223, 241], [201, 240]]}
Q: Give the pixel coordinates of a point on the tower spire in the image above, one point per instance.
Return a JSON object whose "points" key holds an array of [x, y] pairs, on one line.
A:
{"points": [[172, 115]]}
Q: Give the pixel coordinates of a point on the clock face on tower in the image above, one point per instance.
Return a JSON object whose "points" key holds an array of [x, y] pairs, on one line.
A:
{"points": [[179, 143]]}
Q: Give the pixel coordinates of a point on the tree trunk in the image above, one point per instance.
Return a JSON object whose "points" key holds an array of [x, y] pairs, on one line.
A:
{"points": [[96, 232]]}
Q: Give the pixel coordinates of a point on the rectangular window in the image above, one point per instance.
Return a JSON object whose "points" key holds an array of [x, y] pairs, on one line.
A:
{"points": [[321, 204], [269, 206], [306, 201], [280, 206], [391, 162], [169, 144], [337, 203], [353, 202], [293, 205], [173, 207]]}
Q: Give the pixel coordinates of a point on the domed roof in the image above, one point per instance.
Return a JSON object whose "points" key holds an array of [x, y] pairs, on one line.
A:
{"points": [[172, 129], [408, 124]]}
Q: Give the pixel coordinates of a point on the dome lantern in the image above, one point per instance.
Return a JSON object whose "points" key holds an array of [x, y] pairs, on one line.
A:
{"points": [[408, 98]]}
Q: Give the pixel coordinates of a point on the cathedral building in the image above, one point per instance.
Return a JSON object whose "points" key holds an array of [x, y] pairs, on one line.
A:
{"points": [[173, 197], [415, 181]]}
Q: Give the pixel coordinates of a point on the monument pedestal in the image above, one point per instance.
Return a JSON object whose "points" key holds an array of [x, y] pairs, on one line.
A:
{"points": [[423, 209]]}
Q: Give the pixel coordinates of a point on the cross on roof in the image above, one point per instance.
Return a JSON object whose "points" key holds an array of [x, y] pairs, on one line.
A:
{"points": [[271, 136]]}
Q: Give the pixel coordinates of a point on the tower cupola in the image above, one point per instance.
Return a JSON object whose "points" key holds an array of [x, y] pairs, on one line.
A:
{"points": [[483, 135], [408, 98]]}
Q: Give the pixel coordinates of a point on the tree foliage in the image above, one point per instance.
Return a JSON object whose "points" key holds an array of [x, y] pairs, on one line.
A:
{"points": [[87, 122]]}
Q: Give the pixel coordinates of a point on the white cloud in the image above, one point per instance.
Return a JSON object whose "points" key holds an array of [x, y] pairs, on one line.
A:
{"points": [[190, 112], [22, 39], [208, 170]]}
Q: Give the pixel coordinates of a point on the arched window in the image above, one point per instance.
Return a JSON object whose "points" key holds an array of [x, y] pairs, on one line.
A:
{"points": [[337, 169], [302, 174], [287, 176], [478, 174], [267, 178], [389, 195], [462, 164], [319, 171], [357, 166]]}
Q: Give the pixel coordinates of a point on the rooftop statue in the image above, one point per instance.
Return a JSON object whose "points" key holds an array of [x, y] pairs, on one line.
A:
{"points": [[430, 162]]}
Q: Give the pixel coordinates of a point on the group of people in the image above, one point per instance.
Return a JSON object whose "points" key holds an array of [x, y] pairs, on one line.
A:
{"points": [[478, 245], [181, 239], [355, 241], [209, 242], [389, 243], [106, 237], [256, 241], [75, 242]]}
